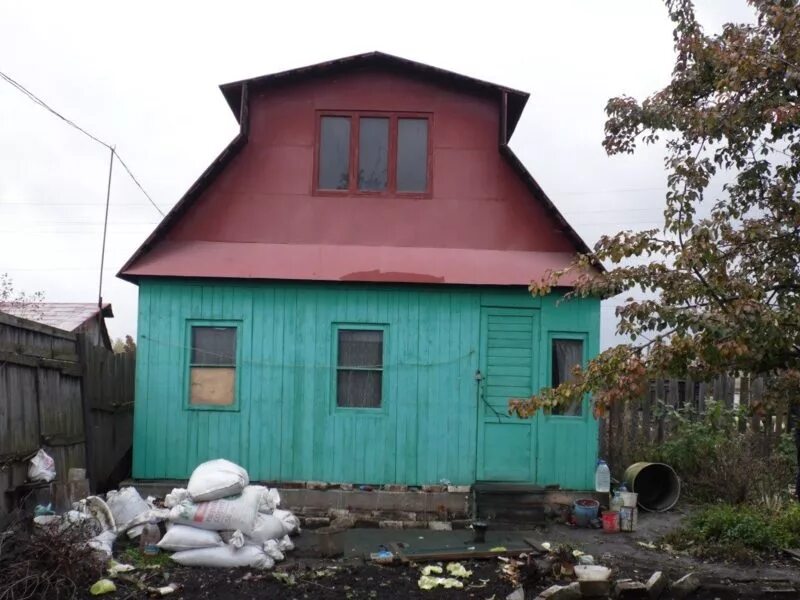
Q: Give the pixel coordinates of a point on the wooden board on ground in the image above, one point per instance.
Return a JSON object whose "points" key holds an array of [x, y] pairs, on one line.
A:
{"points": [[407, 553]]}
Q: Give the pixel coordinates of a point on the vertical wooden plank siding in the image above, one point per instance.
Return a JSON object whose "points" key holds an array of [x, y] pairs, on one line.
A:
{"points": [[286, 425]]}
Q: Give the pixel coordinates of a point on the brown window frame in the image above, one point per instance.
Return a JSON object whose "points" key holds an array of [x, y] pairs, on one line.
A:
{"points": [[391, 184]]}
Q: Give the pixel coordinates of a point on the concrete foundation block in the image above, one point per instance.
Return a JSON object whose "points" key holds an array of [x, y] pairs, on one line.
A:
{"points": [[314, 522], [440, 525], [434, 488]]}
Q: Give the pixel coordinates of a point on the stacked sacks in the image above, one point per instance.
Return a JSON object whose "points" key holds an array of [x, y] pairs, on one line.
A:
{"points": [[222, 521]]}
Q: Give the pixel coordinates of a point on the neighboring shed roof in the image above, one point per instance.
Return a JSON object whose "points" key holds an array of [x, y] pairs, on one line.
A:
{"points": [[68, 316]]}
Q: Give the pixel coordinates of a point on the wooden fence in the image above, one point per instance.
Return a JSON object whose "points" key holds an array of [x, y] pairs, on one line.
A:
{"points": [[644, 422], [60, 393]]}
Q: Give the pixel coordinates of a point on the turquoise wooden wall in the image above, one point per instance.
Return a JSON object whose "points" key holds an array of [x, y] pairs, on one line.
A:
{"points": [[285, 425]]}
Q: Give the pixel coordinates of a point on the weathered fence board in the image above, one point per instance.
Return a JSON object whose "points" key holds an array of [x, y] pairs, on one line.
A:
{"points": [[61, 393], [646, 421]]}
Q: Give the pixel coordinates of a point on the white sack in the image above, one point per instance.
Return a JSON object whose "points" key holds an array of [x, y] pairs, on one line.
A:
{"points": [[183, 537], [238, 512], [126, 505], [289, 520], [225, 556], [285, 544], [216, 479], [268, 527], [42, 467], [272, 549], [271, 501], [176, 496]]}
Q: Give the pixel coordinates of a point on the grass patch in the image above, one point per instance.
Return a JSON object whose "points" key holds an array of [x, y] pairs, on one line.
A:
{"points": [[135, 557], [742, 533]]}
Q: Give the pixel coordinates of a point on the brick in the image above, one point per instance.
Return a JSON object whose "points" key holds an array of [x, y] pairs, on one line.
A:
{"points": [[317, 485], [657, 584], [440, 525], [436, 488], [561, 592], [346, 486], [314, 522], [390, 524], [685, 586], [395, 487], [595, 589], [338, 513], [628, 589], [415, 524], [458, 489]]}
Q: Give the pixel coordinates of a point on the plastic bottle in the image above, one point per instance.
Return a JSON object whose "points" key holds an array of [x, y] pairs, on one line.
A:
{"points": [[149, 539], [602, 478], [616, 501]]}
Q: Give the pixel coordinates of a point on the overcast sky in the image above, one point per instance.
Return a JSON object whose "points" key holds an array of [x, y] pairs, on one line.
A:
{"points": [[143, 76]]}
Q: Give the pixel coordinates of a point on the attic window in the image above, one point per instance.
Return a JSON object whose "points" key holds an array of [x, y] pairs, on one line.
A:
{"points": [[373, 153]]}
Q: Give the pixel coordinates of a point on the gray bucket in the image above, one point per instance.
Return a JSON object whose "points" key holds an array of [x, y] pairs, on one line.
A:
{"points": [[657, 484]]}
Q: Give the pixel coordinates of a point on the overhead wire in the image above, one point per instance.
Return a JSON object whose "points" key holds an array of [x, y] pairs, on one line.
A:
{"points": [[36, 100]]}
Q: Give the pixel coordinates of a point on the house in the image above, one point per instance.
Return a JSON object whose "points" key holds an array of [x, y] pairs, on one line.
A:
{"points": [[76, 317], [342, 295]]}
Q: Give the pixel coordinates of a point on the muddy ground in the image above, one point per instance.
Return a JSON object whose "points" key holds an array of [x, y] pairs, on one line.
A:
{"points": [[307, 575]]}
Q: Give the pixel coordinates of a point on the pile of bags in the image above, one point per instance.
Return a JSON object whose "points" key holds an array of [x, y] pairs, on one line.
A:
{"points": [[220, 520]]}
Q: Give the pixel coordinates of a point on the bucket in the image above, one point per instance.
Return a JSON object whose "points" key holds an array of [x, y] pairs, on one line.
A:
{"points": [[611, 521], [585, 510], [656, 484], [628, 518]]}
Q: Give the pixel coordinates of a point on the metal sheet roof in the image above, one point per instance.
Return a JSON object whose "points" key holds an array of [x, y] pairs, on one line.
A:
{"points": [[68, 316], [348, 263]]}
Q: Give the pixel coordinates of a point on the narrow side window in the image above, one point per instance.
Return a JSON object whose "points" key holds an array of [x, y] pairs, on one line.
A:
{"points": [[334, 153], [212, 366], [412, 155], [373, 154], [566, 355]]}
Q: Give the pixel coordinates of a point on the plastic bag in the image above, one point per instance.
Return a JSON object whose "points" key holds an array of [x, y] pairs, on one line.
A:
{"points": [[175, 497], [183, 537], [42, 467], [103, 543], [225, 556], [238, 512], [216, 479], [285, 544], [126, 504]]}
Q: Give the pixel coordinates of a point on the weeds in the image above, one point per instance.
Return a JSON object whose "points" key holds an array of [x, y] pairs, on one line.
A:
{"points": [[742, 533], [46, 562], [719, 460]]}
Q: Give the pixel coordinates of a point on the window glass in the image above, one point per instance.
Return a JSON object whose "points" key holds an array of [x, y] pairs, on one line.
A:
{"points": [[412, 155], [212, 370], [334, 153], [373, 153], [359, 371], [566, 354], [214, 346]]}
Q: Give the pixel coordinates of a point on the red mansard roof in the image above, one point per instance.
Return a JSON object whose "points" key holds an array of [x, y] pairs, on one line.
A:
{"points": [[171, 250]]}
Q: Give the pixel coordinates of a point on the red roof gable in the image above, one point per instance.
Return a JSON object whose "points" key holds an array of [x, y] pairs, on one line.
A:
{"points": [[253, 213]]}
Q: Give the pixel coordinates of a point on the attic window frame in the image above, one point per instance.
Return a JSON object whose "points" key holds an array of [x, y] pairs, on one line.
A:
{"points": [[391, 182]]}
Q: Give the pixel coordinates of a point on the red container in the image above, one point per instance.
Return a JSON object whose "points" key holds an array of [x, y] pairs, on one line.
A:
{"points": [[611, 521]]}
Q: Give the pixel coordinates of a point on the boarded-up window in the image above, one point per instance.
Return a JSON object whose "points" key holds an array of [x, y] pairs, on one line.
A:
{"points": [[359, 371], [212, 368], [566, 355]]}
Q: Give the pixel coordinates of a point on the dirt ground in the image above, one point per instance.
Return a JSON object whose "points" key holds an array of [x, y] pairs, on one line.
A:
{"points": [[306, 575]]}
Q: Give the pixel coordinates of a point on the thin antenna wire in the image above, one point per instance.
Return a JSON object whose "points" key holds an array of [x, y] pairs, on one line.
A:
{"points": [[35, 99], [105, 230]]}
